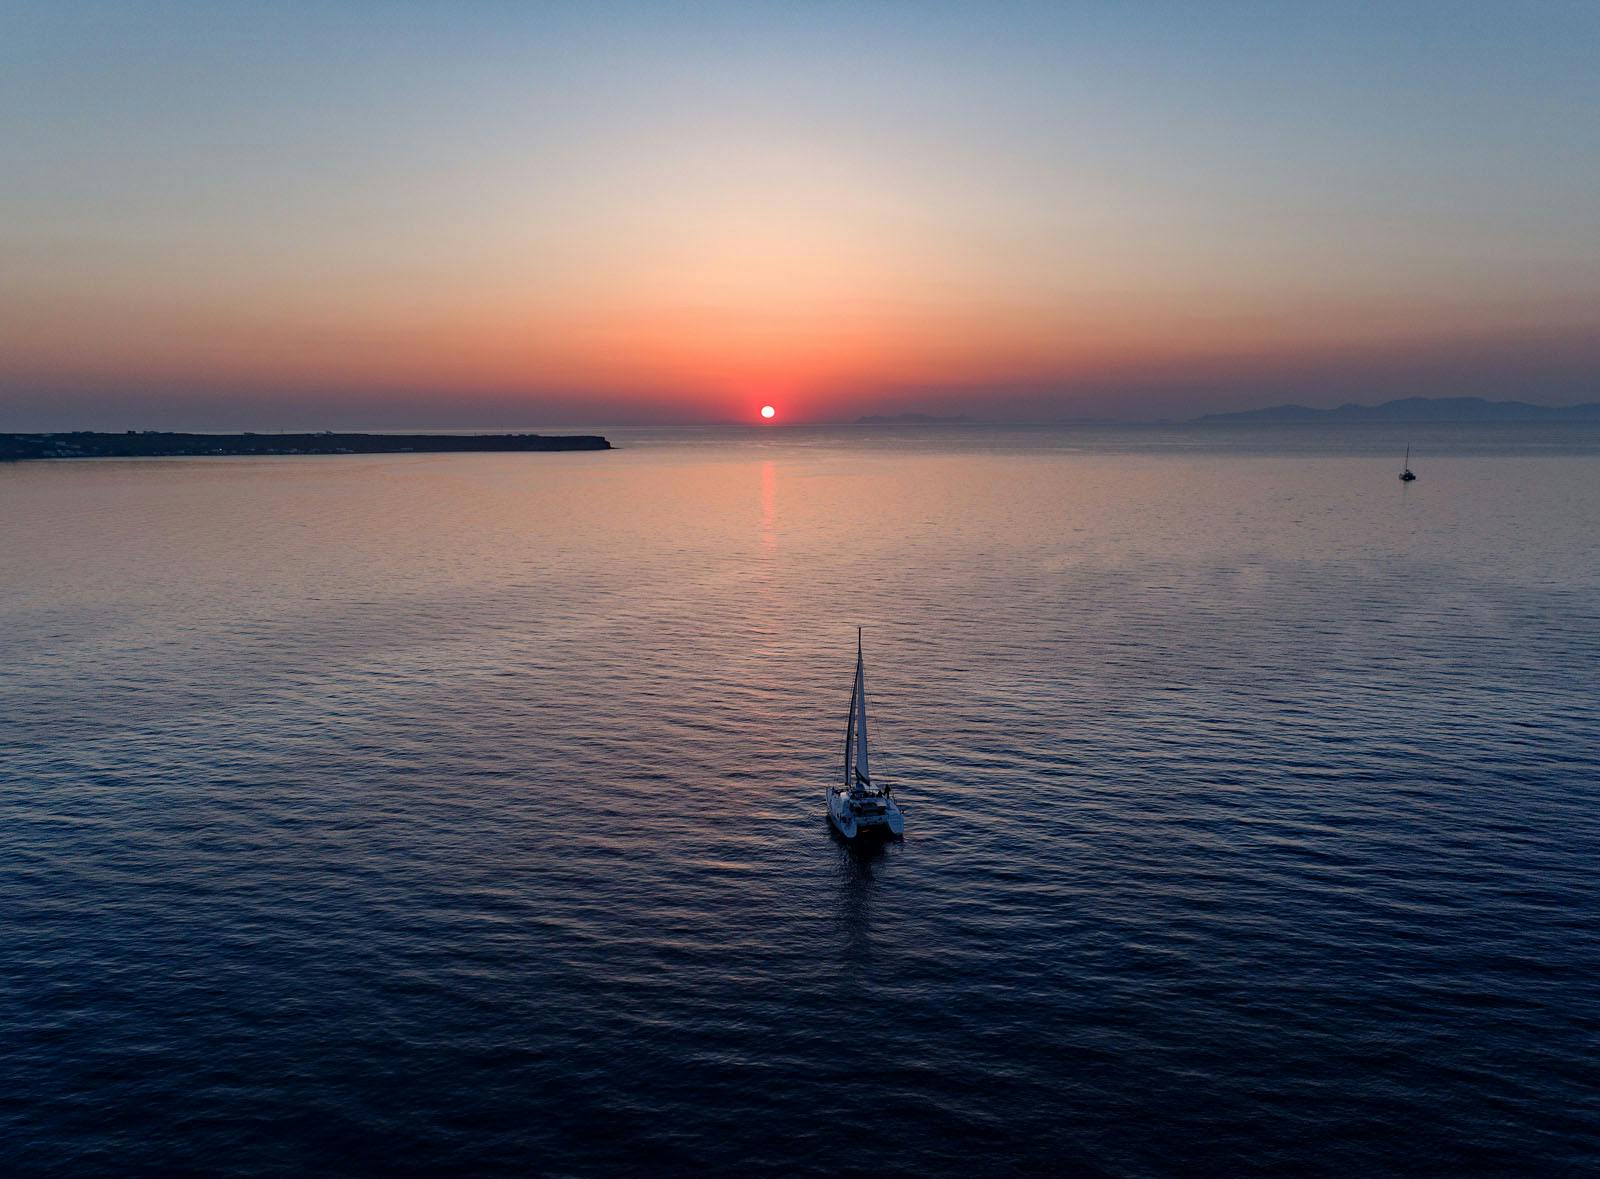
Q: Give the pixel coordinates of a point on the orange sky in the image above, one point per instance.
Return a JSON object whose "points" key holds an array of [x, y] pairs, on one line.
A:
{"points": [[660, 216]]}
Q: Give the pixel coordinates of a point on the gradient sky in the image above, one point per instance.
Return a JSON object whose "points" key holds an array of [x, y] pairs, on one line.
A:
{"points": [[288, 214]]}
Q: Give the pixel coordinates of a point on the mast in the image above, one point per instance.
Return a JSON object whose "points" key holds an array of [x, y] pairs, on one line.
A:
{"points": [[1407, 463]]}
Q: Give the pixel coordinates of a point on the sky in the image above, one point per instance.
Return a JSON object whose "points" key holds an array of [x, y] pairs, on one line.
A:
{"points": [[297, 215]]}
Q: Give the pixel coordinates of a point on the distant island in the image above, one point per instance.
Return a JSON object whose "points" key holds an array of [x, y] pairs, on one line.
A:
{"points": [[160, 444], [910, 419], [1415, 409]]}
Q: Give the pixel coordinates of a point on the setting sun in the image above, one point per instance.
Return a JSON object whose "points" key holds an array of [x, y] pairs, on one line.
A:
{"points": [[768, 412]]}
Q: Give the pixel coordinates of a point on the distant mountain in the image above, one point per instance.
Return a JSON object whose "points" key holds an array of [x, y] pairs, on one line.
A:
{"points": [[1417, 409], [909, 419]]}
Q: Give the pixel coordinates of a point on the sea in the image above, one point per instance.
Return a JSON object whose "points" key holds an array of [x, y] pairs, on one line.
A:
{"points": [[463, 814]]}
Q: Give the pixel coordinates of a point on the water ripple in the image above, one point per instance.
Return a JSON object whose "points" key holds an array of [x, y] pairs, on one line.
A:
{"points": [[424, 814]]}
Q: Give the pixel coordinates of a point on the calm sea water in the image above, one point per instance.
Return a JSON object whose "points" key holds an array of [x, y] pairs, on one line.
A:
{"points": [[463, 814]]}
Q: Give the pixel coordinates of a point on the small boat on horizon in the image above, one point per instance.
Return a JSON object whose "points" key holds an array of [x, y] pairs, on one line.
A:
{"points": [[858, 807], [1405, 467]]}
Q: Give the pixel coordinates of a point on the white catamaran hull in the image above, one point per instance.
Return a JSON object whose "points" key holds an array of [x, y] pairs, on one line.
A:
{"points": [[853, 821]]}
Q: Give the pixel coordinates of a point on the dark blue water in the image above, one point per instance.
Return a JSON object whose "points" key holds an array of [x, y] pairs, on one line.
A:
{"points": [[463, 814]]}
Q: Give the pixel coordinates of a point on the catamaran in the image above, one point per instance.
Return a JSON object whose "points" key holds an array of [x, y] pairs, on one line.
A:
{"points": [[857, 806], [1405, 467]]}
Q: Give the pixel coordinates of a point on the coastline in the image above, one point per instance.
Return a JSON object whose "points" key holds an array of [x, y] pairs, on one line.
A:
{"points": [[167, 444]]}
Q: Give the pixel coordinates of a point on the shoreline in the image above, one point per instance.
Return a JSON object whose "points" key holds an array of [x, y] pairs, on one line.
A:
{"points": [[168, 444]]}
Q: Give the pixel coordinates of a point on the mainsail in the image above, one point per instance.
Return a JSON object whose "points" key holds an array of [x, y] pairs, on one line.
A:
{"points": [[855, 733], [850, 725]]}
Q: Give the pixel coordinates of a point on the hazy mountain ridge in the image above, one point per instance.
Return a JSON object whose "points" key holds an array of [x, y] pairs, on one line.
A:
{"points": [[1416, 409], [913, 418]]}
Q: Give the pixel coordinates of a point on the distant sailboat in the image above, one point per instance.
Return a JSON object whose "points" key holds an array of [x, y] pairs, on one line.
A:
{"points": [[857, 806], [1405, 468]]}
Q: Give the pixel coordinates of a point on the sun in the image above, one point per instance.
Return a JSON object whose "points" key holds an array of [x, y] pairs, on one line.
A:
{"points": [[768, 412]]}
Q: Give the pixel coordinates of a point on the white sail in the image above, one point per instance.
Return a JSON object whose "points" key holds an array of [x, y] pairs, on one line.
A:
{"points": [[850, 725], [863, 775]]}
